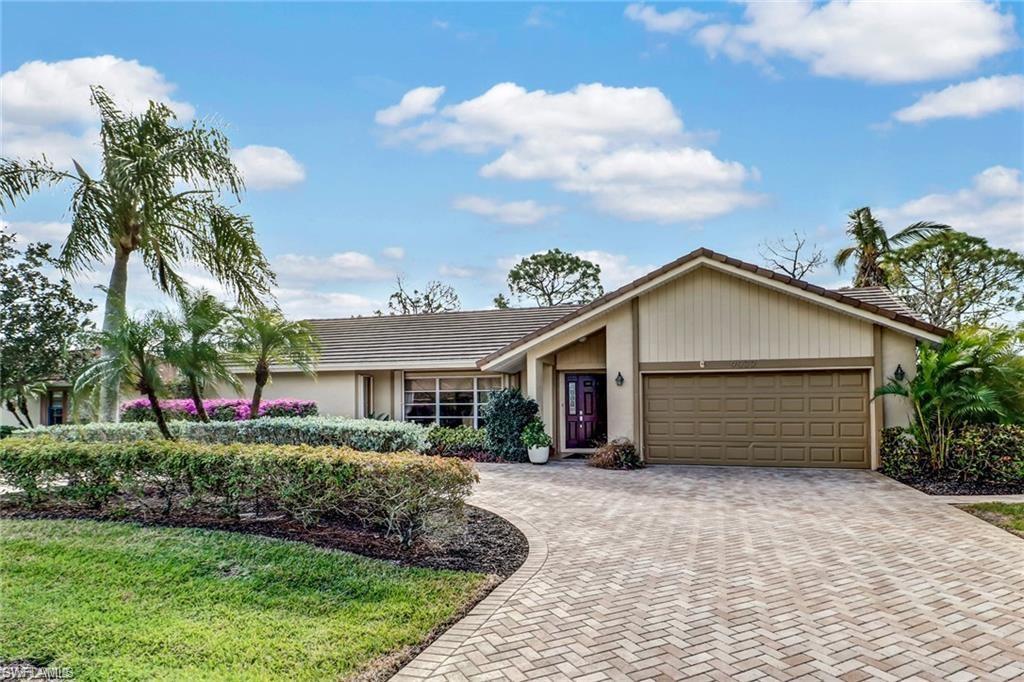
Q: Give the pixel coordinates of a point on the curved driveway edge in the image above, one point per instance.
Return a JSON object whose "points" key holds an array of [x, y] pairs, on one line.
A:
{"points": [[440, 650], [718, 573]]}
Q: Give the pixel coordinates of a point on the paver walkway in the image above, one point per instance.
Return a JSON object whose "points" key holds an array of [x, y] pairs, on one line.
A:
{"points": [[739, 574]]}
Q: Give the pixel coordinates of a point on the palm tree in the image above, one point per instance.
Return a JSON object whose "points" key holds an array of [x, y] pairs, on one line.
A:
{"points": [[193, 343], [157, 195], [133, 359], [263, 338], [972, 377], [873, 247]]}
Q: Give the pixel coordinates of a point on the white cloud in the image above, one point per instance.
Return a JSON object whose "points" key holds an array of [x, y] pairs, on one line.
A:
{"points": [[345, 265], [393, 252], [46, 105], [415, 103], [972, 99], [458, 271], [992, 207], [876, 41], [268, 167], [623, 147], [26, 232], [675, 21], [298, 303], [616, 269], [512, 212]]}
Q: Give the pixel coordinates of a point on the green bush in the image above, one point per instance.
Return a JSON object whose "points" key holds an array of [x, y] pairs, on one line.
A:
{"points": [[618, 454], [989, 453], [456, 441], [368, 435], [404, 494], [507, 414], [6, 430], [534, 435]]}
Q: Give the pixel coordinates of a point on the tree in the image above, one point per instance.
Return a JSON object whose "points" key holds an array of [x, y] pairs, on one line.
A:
{"points": [[556, 277], [262, 339], [193, 343], [43, 326], [972, 377], [953, 280], [437, 297], [501, 302], [158, 194], [134, 359], [873, 247], [791, 258]]}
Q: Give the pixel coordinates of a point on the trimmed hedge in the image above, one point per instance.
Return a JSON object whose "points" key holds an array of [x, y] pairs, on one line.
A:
{"points": [[368, 435], [404, 494], [218, 409], [464, 442], [990, 453]]}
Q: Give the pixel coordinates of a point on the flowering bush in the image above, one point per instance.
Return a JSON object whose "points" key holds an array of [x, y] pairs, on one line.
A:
{"points": [[404, 494], [368, 435], [218, 409]]}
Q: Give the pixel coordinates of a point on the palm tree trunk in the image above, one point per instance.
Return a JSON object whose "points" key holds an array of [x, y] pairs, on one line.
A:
{"points": [[113, 316], [197, 399], [23, 407], [262, 374], [13, 410], [161, 423]]}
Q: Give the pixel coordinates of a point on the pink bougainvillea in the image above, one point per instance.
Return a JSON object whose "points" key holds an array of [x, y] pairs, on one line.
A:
{"points": [[219, 409]]}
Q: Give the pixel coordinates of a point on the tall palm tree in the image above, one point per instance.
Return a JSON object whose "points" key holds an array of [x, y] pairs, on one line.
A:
{"points": [[873, 247], [194, 344], [133, 358], [158, 194], [263, 338]]}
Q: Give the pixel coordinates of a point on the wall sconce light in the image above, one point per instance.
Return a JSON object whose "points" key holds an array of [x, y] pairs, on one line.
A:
{"points": [[619, 380], [899, 374]]}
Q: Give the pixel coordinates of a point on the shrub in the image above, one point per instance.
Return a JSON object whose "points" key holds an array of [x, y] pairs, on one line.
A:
{"points": [[459, 441], [218, 409], [534, 435], [991, 453], [901, 455], [367, 435], [401, 493], [6, 430], [507, 414], [618, 454]]}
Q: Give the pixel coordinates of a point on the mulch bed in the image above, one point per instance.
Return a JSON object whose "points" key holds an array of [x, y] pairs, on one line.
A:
{"points": [[486, 544], [938, 486]]}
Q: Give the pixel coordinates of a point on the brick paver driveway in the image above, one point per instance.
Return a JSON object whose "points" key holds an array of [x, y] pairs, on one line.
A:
{"points": [[740, 574]]}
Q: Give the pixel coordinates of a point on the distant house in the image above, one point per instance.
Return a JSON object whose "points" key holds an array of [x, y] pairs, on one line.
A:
{"points": [[707, 360]]}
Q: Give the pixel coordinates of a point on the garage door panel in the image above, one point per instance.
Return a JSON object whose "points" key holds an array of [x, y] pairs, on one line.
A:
{"points": [[817, 418]]}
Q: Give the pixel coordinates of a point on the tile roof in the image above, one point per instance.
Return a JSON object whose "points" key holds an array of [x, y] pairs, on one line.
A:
{"points": [[879, 296], [445, 339]]}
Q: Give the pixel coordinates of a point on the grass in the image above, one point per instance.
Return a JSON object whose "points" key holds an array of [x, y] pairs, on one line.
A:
{"points": [[117, 601], [1007, 515]]}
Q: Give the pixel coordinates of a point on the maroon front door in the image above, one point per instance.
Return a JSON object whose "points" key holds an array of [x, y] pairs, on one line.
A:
{"points": [[585, 412]]}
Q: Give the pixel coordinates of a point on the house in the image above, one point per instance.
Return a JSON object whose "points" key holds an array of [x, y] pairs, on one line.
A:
{"points": [[48, 408], [706, 360]]}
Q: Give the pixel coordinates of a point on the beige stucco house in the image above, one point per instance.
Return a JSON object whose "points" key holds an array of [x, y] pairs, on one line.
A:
{"points": [[707, 360]]}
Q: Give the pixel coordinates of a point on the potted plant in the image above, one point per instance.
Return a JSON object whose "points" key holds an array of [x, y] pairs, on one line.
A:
{"points": [[538, 443]]}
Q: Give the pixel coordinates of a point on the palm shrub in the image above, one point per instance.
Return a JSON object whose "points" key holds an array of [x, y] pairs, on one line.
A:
{"points": [[873, 247], [972, 377], [507, 414], [263, 338], [133, 359], [194, 344], [158, 195]]}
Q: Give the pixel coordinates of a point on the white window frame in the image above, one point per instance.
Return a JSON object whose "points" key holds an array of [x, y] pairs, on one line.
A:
{"points": [[437, 395]]}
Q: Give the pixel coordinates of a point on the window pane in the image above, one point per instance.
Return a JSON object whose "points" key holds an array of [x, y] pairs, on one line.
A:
{"points": [[488, 383], [456, 384], [456, 410], [419, 411], [456, 421], [427, 421], [571, 390], [420, 384], [481, 423], [420, 397], [483, 396], [456, 396]]}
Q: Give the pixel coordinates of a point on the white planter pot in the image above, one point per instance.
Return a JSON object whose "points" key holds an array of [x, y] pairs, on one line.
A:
{"points": [[539, 455]]}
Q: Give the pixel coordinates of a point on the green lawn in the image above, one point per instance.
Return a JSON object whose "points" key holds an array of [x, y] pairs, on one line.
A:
{"points": [[1006, 515], [118, 601]]}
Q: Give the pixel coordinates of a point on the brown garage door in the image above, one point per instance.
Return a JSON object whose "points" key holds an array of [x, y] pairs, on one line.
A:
{"points": [[806, 419]]}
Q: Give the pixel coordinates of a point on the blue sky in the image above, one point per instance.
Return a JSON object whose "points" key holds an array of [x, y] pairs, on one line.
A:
{"points": [[631, 134]]}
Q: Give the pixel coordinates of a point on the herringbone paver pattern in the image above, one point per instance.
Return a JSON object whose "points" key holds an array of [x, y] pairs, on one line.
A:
{"points": [[738, 574]]}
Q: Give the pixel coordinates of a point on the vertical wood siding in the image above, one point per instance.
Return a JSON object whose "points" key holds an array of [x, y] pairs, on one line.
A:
{"points": [[709, 315], [587, 355]]}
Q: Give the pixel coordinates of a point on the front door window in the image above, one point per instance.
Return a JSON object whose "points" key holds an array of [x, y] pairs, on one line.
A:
{"points": [[55, 411], [586, 424]]}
